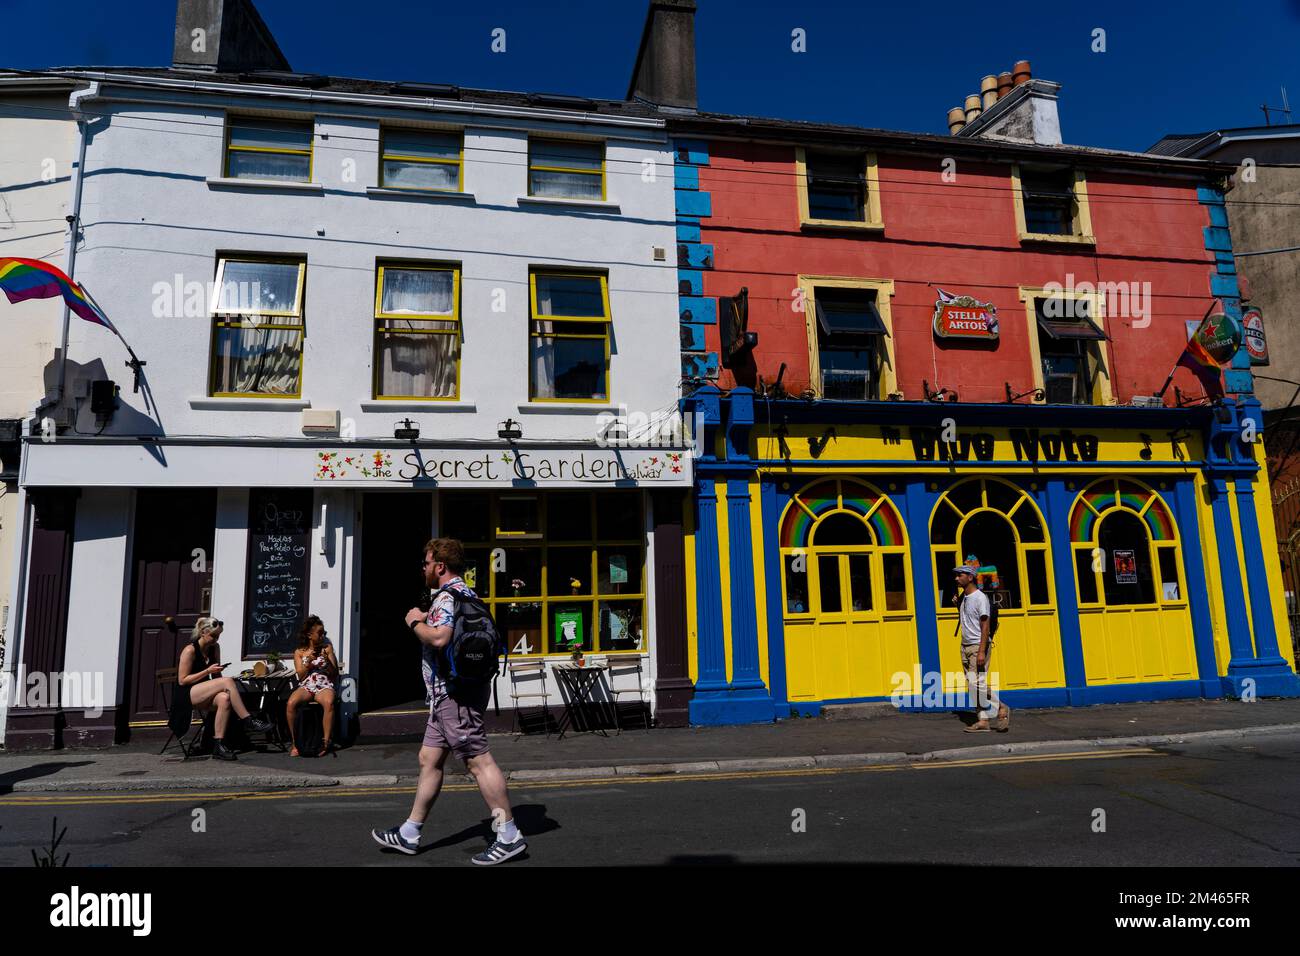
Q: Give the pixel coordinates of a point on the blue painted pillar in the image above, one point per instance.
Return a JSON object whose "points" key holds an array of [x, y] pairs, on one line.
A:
{"points": [[1059, 502], [1272, 676], [708, 589], [744, 614], [918, 503], [1198, 590], [1241, 649]]}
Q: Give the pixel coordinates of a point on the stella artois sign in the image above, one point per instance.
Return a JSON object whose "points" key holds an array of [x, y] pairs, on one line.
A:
{"points": [[964, 317]]}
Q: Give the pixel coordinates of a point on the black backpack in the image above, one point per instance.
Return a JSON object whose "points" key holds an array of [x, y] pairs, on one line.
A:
{"points": [[473, 654], [993, 615]]}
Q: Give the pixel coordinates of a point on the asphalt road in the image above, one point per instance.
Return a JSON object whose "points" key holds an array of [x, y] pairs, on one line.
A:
{"points": [[1200, 805]]}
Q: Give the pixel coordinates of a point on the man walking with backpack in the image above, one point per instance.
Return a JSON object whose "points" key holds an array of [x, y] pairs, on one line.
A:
{"points": [[459, 648], [974, 613]]}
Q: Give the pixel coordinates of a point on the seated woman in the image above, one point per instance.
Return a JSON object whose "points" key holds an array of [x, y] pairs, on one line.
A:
{"points": [[201, 687], [317, 671]]}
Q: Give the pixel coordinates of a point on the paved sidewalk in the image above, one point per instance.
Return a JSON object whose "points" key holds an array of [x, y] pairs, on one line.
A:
{"points": [[889, 737]]}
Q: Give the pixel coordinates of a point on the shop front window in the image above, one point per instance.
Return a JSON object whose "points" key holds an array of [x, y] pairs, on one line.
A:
{"points": [[998, 525], [842, 552], [1125, 547], [552, 585]]}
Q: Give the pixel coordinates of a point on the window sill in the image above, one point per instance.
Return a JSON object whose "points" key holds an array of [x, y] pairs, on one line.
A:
{"points": [[565, 408], [834, 224], [265, 185], [209, 403], [595, 204], [433, 195], [417, 405], [1048, 237]]}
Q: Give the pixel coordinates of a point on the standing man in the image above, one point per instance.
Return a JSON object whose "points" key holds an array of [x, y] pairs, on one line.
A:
{"points": [[976, 649], [455, 717]]}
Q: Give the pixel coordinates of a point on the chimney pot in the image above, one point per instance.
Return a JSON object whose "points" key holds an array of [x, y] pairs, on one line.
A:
{"points": [[1005, 83], [972, 107], [956, 119], [1021, 72], [988, 91]]}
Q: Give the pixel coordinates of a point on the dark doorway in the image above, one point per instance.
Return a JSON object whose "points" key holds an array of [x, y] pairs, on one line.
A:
{"points": [[394, 529], [171, 588], [989, 536]]}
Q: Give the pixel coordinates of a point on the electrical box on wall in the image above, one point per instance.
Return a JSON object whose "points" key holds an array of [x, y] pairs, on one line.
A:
{"points": [[316, 421], [103, 398]]}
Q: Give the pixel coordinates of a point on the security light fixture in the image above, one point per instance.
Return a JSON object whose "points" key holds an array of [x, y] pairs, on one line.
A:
{"points": [[510, 430], [406, 430]]}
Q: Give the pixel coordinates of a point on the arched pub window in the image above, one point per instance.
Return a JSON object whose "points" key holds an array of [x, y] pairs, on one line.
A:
{"points": [[1125, 545], [1001, 525], [843, 551]]}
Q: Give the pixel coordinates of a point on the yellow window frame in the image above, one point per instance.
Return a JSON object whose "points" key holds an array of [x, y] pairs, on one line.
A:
{"points": [[219, 322], [1154, 548], [590, 596], [578, 170], [605, 323], [1043, 547], [884, 289], [309, 152], [874, 221], [459, 162], [1101, 389], [381, 316], [1082, 219]]}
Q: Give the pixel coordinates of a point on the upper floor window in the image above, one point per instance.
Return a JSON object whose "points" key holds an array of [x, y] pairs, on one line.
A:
{"points": [[1052, 204], [569, 336], [838, 188], [850, 337], [258, 327], [1070, 354], [417, 331], [276, 149], [566, 169], [421, 159]]}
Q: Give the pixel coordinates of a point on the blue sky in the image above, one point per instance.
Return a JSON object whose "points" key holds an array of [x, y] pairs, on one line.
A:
{"points": [[1168, 67]]}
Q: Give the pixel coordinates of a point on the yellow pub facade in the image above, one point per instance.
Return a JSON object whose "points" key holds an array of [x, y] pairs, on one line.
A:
{"points": [[1134, 549]]}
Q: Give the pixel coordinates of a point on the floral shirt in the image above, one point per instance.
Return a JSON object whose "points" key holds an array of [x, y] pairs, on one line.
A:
{"points": [[442, 613]]}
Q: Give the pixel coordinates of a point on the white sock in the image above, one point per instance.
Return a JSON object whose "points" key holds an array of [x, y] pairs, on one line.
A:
{"points": [[508, 833], [411, 831]]}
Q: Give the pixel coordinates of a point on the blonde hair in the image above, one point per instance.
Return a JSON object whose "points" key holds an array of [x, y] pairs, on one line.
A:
{"points": [[201, 626]]}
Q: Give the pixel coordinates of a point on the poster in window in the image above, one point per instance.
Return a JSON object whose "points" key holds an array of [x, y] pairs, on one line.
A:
{"points": [[1125, 564], [618, 569], [568, 629]]}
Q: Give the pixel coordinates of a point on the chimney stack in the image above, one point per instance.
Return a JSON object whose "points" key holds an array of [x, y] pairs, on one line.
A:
{"points": [[664, 73], [1011, 106], [226, 36]]}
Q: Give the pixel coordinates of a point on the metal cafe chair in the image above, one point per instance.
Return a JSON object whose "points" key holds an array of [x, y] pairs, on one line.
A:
{"points": [[625, 665], [189, 742], [533, 676]]}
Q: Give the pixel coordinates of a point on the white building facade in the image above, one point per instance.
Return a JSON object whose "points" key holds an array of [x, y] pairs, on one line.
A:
{"points": [[367, 315]]}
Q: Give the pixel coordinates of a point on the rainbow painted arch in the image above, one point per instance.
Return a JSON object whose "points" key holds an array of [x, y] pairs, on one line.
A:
{"points": [[824, 498], [1110, 493]]}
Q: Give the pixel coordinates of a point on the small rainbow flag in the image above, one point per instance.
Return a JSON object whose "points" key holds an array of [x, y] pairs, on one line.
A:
{"points": [[1210, 348], [23, 279]]}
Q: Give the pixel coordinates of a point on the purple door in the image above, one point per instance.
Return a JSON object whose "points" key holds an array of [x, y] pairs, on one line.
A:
{"points": [[171, 588]]}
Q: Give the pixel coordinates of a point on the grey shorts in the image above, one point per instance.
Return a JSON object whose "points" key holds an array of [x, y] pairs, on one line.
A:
{"points": [[457, 725]]}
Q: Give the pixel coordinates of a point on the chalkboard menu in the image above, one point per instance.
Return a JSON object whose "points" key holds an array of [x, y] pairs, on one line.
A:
{"points": [[279, 559]]}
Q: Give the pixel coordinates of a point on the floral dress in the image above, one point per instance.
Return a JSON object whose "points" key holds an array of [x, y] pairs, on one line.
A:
{"points": [[318, 676]]}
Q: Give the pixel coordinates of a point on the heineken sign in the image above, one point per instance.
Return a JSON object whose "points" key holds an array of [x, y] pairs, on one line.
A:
{"points": [[965, 317]]}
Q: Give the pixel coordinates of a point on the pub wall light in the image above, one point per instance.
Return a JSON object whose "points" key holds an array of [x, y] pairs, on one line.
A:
{"points": [[510, 430], [406, 430]]}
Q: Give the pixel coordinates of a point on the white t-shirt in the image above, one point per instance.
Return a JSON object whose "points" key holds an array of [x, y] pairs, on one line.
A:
{"points": [[973, 606]]}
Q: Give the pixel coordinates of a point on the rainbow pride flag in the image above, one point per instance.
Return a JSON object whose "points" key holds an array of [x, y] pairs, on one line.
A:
{"points": [[1210, 348], [23, 279]]}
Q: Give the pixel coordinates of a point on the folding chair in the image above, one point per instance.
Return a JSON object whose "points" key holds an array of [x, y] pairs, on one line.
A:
{"points": [[534, 673], [189, 742], [630, 664]]}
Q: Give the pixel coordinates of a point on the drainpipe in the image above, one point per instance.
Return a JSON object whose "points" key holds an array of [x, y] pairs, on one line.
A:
{"points": [[74, 221]]}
